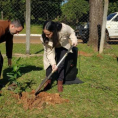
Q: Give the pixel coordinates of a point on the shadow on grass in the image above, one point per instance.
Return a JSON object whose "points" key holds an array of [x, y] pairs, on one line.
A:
{"points": [[114, 42], [39, 51], [23, 70]]}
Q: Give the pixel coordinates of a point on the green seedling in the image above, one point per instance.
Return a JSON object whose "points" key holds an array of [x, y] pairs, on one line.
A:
{"points": [[15, 73]]}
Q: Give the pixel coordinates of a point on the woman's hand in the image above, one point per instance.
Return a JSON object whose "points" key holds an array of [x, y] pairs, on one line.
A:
{"points": [[54, 67], [74, 43]]}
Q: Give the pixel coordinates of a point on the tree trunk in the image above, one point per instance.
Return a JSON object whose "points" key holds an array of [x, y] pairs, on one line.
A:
{"points": [[95, 23]]}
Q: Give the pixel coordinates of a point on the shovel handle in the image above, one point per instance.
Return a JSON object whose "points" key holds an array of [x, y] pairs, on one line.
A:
{"points": [[45, 80], [64, 56]]}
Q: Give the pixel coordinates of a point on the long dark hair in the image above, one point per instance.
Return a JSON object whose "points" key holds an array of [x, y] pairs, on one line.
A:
{"points": [[54, 27]]}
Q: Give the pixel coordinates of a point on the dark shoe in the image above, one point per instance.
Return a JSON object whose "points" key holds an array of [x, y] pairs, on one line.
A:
{"points": [[60, 86], [47, 85]]}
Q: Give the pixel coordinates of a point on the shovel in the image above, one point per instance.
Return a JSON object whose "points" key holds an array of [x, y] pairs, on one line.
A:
{"points": [[45, 80]]}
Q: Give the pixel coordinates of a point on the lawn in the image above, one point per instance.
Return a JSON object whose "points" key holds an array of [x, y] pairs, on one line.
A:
{"points": [[34, 29], [96, 97]]}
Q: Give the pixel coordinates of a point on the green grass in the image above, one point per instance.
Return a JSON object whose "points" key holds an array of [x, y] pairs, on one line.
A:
{"points": [[97, 97], [35, 29], [21, 48]]}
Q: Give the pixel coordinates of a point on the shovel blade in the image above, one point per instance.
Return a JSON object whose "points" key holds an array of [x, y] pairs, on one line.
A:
{"points": [[40, 86]]}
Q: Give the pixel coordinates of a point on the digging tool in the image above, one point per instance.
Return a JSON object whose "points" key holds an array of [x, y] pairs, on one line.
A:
{"points": [[45, 80]]}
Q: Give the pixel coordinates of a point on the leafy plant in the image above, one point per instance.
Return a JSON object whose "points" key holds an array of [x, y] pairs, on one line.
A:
{"points": [[13, 78], [15, 73], [24, 85]]}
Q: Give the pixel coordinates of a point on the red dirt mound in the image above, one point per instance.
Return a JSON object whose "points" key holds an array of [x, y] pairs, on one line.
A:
{"points": [[30, 101], [84, 54], [87, 54]]}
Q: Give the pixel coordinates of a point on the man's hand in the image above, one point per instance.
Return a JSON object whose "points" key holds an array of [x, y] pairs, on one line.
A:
{"points": [[9, 62]]}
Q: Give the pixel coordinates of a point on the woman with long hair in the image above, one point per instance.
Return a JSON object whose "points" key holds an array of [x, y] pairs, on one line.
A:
{"points": [[56, 39]]}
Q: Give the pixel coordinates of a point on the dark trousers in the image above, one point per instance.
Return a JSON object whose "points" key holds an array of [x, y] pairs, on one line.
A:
{"points": [[59, 53], [1, 63]]}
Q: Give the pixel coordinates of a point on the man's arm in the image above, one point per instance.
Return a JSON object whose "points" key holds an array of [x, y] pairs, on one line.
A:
{"points": [[9, 48], [1, 31]]}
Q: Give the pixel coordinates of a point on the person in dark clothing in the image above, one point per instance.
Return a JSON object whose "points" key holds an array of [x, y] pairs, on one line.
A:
{"points": [[7, 30]]}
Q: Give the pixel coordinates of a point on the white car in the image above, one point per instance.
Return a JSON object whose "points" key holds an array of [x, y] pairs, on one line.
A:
{"points": [[112, 26]]}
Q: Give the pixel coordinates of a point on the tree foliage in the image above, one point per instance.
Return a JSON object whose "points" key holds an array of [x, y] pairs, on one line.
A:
{"points": [[13, 8], [113, 7], [46, 10], [73, 10], [40, 9]]}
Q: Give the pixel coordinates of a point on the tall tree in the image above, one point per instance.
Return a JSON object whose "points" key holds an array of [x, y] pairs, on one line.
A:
{"points": [[40, 9], [45, 9], [73, 10], [95, 20], [13, 9]]}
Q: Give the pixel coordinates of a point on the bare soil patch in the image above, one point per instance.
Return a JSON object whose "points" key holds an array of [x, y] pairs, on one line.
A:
{"points": [[84, 54], [30, 101], [88, 54]]}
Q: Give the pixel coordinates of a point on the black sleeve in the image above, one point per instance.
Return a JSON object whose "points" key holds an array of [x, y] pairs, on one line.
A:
{"points": [[9, 46]]}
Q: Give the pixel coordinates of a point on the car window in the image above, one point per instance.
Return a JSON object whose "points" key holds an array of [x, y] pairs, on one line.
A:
{"points": [[109, 17], [115, 19]]}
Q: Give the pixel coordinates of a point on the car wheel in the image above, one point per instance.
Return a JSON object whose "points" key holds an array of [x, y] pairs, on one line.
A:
{"points": [[85, 40], [107, 36]]}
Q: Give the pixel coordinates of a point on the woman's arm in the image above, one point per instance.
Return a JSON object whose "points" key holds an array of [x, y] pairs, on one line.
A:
{"points": [[72, 35], [49, 52]]}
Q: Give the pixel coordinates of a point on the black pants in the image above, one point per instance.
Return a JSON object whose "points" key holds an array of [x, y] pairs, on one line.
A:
{"points": [[59, 53], [1, 63]]}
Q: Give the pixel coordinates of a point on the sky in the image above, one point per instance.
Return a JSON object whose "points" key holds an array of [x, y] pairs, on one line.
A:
{"points": [[64, 2]]}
